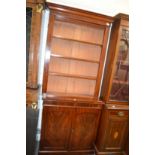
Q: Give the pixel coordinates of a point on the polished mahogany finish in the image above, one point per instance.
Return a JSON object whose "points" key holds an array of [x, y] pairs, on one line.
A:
{"points": [[113, 130], [69, 127]]}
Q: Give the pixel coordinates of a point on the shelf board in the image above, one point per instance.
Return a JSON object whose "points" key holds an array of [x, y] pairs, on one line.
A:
{"points": [[121, 82], [73, 75], [76, 40], [61, 94], [72, 58]]}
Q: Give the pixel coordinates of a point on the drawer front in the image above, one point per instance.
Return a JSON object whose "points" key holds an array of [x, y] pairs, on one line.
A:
{"points": [[119, 113]]}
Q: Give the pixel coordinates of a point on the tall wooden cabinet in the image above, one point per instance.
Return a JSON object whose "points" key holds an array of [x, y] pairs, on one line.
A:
{"points": [[75, 54], [113, 127]]}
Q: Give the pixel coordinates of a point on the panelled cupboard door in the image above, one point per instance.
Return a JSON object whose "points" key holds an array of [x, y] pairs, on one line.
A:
{"points": [[116, 132], [84, 128], [113, 131], [56, 125]]}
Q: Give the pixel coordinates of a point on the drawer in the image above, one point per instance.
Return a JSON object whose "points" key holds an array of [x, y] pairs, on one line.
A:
{"points": [[119, 113]]}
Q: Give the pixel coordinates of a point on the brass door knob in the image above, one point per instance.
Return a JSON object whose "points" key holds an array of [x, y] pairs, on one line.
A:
{"points": [[39, 8], [34, 105]]}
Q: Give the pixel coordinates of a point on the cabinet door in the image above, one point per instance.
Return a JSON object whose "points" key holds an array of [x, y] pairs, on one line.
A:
{"points": [[120, 83], [116, 131], [56, 125], [113, 130], [84, 128]]}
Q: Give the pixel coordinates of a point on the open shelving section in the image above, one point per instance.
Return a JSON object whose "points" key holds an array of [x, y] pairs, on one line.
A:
{"points": [[77, 51]]}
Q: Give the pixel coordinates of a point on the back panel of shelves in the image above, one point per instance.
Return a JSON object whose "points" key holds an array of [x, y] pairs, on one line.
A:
{"points": [[76, 51]]}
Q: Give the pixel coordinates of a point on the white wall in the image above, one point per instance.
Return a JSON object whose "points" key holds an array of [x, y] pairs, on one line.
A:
{"points": [[107, 7]]}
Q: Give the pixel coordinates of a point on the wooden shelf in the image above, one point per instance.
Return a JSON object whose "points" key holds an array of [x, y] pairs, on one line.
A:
{"points": [[72, 58], [82, 41], [55, 94], [121, 82], [73, 75]]}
